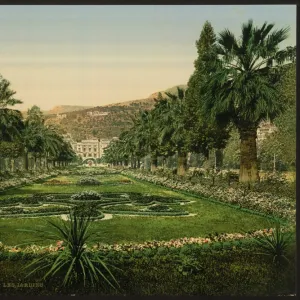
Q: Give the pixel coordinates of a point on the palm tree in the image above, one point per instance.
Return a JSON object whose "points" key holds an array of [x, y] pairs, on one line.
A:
{"points": [[32, 140], [242, 86], [52, 142], [147, 134], [10, 119], [173, 130]]}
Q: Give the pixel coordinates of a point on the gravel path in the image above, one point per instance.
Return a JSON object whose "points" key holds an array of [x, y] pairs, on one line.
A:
{"points": [[106, 217]]}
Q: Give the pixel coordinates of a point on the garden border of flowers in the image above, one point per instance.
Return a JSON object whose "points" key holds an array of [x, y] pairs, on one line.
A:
{"points": [[212, 242], [290, 215]]}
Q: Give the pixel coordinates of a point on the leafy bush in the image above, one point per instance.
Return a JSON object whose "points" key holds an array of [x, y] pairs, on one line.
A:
{"points": [[88, 181], [86, 195]]}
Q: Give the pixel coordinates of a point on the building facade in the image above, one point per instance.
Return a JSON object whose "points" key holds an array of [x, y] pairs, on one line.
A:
{"points": [[265, 128], [91, 148]]}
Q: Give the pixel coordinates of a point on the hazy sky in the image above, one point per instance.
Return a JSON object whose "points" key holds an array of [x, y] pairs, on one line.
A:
{"points": [[96, 55]]}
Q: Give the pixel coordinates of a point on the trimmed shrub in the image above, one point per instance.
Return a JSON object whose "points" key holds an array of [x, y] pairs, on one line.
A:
{"points": [[86, 195]]}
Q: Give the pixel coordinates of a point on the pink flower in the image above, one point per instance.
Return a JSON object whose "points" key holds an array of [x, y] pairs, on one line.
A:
{"points": [[59, 243]]}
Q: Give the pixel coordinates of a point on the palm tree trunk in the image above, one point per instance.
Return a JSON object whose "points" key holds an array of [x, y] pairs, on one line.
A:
{"points": [[153, 163], [26, 163], [6, 164], [181, 163], [34, 163], [164, 162], [46, 163], [248, 159], [12, 165], [138, 163]]}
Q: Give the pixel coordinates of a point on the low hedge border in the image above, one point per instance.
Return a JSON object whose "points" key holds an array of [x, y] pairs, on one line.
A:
{"points": [[146, 213], [212, 200], [46, 214], [34, 214]]}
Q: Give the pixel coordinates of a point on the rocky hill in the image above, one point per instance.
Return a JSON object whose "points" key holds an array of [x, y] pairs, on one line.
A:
{"points": [[102, 121]]}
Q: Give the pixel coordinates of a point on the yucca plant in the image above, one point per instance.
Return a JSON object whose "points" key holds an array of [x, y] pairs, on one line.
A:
{"points": [[73, 259], [275, 245]]}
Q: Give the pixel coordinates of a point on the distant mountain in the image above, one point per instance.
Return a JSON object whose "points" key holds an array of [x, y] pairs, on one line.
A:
{"points": [[61, 109], [172, 90], [105, 121]]}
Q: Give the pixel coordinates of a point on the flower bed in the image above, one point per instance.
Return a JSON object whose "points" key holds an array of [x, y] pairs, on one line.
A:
{"points": [[97, 171], [57, 182], [29, 178], [234, 238], [266, 203], [86, 195]]}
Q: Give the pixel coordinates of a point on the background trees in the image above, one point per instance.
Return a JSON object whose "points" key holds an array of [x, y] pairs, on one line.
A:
{"points": [[29, 137], [236, 84]]}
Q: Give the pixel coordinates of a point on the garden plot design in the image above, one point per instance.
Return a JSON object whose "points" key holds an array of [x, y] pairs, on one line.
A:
{"points": [[111, 203], [129, 210]]}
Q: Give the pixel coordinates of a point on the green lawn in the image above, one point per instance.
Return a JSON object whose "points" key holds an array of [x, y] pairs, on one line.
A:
{"points": [[209, 217]]}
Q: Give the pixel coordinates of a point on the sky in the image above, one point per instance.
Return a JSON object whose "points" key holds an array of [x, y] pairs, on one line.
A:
{"points": [[97, 55]]}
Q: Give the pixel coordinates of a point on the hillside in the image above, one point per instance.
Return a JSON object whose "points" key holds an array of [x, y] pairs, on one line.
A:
{"points": [[172, 90], [103, 121], [61, 109]]}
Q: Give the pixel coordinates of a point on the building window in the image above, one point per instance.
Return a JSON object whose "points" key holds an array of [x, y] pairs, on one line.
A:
{"points": [[95, 154]]}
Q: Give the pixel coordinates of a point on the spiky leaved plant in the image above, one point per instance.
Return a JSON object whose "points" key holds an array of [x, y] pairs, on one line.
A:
{"points": [[275, 245], [73, 260]]}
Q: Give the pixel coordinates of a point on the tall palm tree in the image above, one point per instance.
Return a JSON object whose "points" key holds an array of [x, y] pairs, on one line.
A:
{"points": [[10, 119], [147, 134], [173, 130], [32, 140], [242, 86]]}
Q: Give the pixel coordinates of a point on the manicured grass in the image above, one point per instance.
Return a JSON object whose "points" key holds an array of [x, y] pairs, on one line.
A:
{"points": [[209, 218]]}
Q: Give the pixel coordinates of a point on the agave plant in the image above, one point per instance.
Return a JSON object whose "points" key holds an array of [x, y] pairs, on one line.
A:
{"points": [[275, 245], [73, 259]]}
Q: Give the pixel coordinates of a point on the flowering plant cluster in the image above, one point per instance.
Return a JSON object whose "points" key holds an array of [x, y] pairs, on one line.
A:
{"points": [[267, 203], [29, 179], [177, 243], [96, 171], [86, 195]]}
